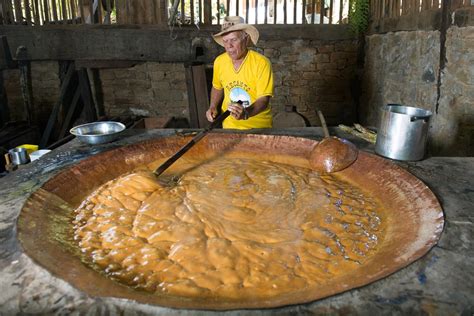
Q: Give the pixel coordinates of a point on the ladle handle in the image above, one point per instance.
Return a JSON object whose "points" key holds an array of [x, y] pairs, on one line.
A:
{"points": [[191, 143], [323, 123]]}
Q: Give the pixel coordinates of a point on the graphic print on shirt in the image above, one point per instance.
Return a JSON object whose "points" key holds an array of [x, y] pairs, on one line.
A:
{"points": [[239, 94]]}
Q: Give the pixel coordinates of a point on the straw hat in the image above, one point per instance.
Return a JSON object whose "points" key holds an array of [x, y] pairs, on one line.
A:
{"points": [[236, 23]]}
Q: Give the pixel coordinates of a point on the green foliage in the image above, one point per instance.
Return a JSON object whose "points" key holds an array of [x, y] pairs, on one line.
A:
{"points": [[359, 16]]}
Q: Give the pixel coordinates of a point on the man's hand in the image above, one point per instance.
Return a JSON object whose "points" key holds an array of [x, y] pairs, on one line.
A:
{"points": [[237, 110], [211, 114]]}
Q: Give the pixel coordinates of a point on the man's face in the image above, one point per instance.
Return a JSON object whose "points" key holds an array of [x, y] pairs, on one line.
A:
{"points": [[235, 44]]}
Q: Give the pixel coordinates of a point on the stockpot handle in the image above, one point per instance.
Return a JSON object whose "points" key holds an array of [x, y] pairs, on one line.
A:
{"points": [[418, 118]]}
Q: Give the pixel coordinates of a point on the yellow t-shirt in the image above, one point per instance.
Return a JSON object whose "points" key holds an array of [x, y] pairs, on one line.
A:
{"points": [[254, 79]]}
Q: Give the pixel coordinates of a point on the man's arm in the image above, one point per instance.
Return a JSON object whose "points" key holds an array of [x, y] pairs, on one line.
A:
{"points": [[216, 99], [239, 112]]}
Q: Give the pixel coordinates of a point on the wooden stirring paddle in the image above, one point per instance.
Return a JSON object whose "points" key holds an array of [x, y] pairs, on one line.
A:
{"points": [[332, 154]]}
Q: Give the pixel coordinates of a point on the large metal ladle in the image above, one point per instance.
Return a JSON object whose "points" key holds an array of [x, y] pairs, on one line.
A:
{"points": [[332, 154], [191, 143]]}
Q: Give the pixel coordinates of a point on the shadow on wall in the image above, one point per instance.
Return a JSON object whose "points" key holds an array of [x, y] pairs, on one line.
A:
{"points": [[452, 136]]}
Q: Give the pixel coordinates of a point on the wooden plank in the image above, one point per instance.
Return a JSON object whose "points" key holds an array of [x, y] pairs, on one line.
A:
{"points": [[331, 7], [321, 11], [208, 12], [182, 11], [265, 21], [341, 6], [201, 93], [53, 8], [28, 10], [8, 12], [98, 11], [91, 11], [47, 16], [284, 11], [36, 15], [64, 11], [198, 95], [397, 8], [74, 12], [303, 15], [275, 11], [81, 11], [247, 9], [256, 11], [18, 11], [295, 4]]}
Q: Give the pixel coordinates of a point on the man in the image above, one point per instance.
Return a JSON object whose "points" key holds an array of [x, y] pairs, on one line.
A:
{"points": [[243, 79]]}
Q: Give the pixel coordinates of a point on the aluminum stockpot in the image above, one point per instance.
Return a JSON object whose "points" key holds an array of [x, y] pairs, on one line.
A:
{"points": [[402, 132]]}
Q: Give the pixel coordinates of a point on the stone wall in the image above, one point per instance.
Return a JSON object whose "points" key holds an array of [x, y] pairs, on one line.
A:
{"points": [[148, 89], [403, 67], [308, 74], [45, 80]]}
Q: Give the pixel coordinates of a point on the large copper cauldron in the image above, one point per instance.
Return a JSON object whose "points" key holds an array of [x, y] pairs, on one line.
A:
{"points": [[413, 215]]}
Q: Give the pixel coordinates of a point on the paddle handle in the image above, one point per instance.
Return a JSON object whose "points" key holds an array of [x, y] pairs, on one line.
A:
{"points": [[191, 143], [323, 123]]}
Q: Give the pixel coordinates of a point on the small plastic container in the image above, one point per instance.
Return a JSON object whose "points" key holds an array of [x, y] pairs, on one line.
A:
{"points": [[29, 148]]}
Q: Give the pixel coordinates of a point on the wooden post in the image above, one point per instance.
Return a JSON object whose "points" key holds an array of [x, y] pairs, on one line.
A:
{"points": [[25, 82]]}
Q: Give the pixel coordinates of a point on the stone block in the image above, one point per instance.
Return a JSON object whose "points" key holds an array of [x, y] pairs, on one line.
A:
{"points": [[322, 58], [106, 75], [124, 74], [325, 49]]}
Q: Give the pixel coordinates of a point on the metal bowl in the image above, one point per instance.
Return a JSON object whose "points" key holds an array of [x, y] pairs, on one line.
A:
{"points": [[98, 132]]}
